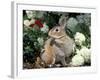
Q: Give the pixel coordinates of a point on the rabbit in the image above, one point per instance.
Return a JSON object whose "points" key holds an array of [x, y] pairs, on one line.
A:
{"points": [[48, 56], [59, 46]]}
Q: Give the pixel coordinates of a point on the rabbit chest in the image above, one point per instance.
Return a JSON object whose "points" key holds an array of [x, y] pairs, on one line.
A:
{"points": [[63, 48]]}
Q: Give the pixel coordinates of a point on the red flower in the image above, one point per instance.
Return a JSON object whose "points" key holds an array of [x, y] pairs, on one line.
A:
{"points": [[37, 22]]}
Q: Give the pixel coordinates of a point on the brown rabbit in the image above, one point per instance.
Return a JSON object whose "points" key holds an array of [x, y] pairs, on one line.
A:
{"points": [[49, 55], [59, 46]]}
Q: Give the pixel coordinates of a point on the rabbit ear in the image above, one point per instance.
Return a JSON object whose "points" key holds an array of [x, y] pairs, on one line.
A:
{"points": [[63, 21]]}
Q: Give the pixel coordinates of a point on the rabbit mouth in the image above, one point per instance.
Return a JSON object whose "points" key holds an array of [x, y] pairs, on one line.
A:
{"points": [[58, 37], [62, 36]]}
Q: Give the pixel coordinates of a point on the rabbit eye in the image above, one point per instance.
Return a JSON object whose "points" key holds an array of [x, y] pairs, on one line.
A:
{"points": [[57, 30]]}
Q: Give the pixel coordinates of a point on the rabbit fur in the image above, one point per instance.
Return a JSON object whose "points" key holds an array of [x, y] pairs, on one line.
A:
{"points": [[59, 46]]}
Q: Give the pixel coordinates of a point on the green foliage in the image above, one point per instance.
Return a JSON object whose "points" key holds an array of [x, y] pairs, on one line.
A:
{"points": [[33, 37], [30, 42]]}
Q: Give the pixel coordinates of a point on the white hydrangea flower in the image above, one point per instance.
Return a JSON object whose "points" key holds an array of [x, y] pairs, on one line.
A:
{"points": [[86, 18], [80, 18], [77, 60], [45, 28], [29, 14], [71, 23], [32, 21], [77, 51], [26, 23], [40, 41], [86, 53], [79, 38]]}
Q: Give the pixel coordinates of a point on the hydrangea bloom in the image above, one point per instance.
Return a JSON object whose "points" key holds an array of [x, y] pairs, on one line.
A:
{"points": [[80, 18], [86, 53], [77, 60], [40, 41], [31, 14], [72, 22], [79, 38], [45, 28], [32, 21], [86, 18], [26, 23]]}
